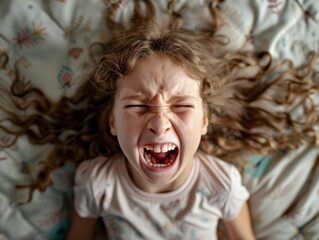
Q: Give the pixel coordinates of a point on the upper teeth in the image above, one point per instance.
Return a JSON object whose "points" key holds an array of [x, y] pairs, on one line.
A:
{"points": [[163, 148]]}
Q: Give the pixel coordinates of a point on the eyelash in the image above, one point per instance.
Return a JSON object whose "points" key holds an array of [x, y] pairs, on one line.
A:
{"points": [[136, 105], [145, 106], [185, 106]]}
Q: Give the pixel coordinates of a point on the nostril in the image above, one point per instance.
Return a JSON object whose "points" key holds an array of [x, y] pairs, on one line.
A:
{"points": [[159, 130], [152, 130]]}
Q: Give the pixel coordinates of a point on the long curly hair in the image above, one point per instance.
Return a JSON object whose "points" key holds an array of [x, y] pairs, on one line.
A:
{"points": [[250, 104]]}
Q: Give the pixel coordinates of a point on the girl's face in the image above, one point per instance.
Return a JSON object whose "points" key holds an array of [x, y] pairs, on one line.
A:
{"points": [[158, 118]]}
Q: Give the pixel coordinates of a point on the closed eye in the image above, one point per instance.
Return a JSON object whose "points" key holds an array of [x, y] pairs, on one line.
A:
{"points": [[182, 107], [135, 105]]}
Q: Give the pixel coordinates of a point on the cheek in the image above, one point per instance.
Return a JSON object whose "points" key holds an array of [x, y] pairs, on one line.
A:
{"points": [[189, 127], [192, 121], [127, 135], [128, 125]]}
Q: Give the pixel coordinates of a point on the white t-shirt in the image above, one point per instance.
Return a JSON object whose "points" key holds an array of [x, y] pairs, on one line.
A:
{"points": [[212, 191]]}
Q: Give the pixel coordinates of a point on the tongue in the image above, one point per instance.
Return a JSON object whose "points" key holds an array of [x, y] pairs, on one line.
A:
{"points": [[160, 156]]}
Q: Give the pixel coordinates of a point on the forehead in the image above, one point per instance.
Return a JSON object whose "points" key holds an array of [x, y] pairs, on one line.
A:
{"points": [[158, 74]]}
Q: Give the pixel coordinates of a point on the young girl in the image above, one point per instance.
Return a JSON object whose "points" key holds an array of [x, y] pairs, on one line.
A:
{"points": [[160, 186], [150, 117]]}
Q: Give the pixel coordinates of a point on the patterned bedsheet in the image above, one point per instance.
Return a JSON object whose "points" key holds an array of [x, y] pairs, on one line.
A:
{"points": [[50, 39]]}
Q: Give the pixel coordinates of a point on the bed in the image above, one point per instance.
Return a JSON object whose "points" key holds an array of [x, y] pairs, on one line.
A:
{"points": [[50, 40]]}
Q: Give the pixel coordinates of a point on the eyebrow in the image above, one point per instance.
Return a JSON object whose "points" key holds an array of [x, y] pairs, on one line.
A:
{"points": [[139, 97], [180, 98], [143, 98]]}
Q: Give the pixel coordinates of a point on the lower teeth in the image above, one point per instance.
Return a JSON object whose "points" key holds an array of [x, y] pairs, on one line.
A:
{"points": [[148, 157]]}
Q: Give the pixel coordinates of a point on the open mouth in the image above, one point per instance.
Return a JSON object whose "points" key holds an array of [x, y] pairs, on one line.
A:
{"points": [[160, 156]]}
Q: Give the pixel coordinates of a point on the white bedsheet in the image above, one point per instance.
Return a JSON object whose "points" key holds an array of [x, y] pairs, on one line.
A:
{"points": [[53, 36]]}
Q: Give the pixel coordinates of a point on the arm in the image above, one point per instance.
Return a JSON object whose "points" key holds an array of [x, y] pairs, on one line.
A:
{"points": [[240, 227], [82, 228]]}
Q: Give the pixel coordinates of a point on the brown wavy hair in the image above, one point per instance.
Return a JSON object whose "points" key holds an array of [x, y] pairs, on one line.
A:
{"points": [[250, 104]]}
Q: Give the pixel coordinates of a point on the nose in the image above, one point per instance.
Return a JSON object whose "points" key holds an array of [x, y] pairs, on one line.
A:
{"points": [[159, 124]]}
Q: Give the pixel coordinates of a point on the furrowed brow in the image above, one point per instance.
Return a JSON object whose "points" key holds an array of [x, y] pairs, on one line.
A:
{"points": [[174, 99]]}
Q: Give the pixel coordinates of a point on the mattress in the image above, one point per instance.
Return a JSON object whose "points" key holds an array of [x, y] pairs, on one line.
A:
{"points": [[49, 42]]}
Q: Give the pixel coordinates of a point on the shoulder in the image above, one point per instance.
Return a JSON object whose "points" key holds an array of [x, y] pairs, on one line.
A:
{"points": [[93, 169], [223, 174], [223, 183], [91, 186]]}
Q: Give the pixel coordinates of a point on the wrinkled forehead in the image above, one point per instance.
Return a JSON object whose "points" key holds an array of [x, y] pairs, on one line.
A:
{"points": [[159, 74]]}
